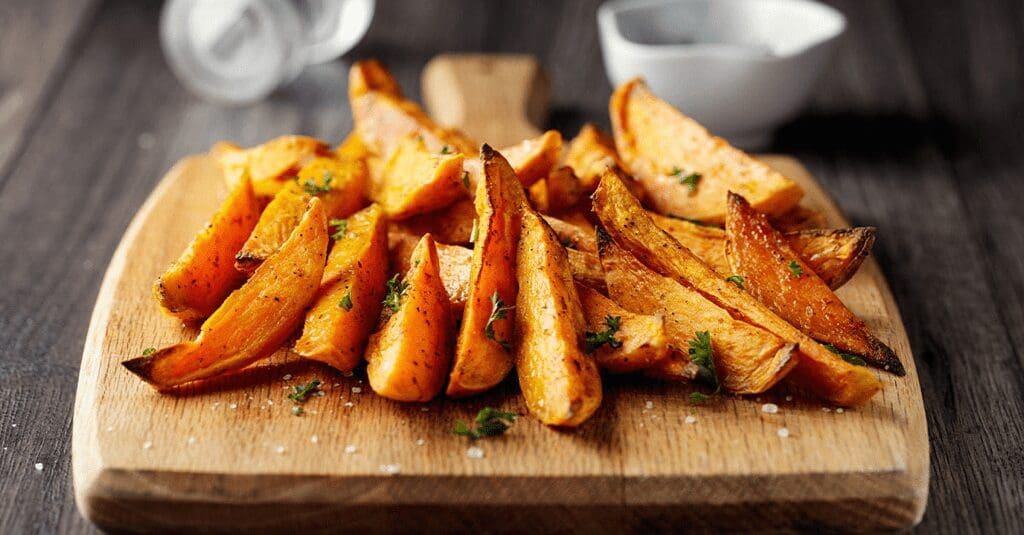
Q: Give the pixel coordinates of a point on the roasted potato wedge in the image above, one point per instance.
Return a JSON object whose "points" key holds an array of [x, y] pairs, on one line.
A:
{"points": [[799, 218], [452, 225], [589, 154], [348, 302], [748, 359], [534, 158], [685, 170], [631, 342], [271, 165], [199, 280], [560, 191], [416, 180], [341, 187], [409, 356], [818, 370], [580, 237], [586, 269], [561, 384], [455, 265], [834, 254], [779, 278], [483, 350], [255, 319]]}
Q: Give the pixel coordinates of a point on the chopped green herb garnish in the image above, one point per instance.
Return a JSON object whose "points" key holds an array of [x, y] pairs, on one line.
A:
{"points": [[702, 354], [302, 392], [346, 301], [489, 422], [795, 269], [446, 150], [687, 179], [735, 279], [148, 351], [312, 188], [696, 398], [856, 360], [498, 312], [396, 289], [465, 179], [594, 340], [340, 225]]}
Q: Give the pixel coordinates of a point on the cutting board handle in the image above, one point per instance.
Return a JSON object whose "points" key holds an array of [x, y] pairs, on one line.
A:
{"points": [[494, 98]]}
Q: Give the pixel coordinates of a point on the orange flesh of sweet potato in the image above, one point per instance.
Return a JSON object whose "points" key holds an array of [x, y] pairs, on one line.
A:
{"points": [[834, 254], [255, 319], [346, 193], [534, 158], [589, 154], [416, 181], [818, 370], [483, 351], [561, 384], [748, 359], [348, 302], [409, 356], [661, 147], [270, 165], [777, 277], [559, 191], [452, 224], [573, 236], [199, 280], [455, 261], [643, 338], [352, 148]]}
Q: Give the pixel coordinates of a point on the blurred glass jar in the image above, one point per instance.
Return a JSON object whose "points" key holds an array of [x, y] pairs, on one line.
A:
{"points": [[239, 51]]}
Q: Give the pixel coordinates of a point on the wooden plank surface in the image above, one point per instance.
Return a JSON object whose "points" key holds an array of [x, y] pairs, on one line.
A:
{"points": [[915, 127], [235, 442]]}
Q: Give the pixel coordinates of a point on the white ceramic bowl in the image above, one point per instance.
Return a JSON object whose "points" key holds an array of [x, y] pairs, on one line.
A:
{"points": [[739, 67]]}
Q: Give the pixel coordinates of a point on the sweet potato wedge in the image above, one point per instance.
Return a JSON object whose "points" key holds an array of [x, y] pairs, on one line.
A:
{"points": [[748, 359], [561, 384], [271, 165], [455, 264], [409, 356], [483, 350], [573, 236], [777, 277], [684, 169], [452, 224], [199, 280], [818, 370], [534, 158], [348, 303], [416, 180], [834, 254], [586, 269], [631, 342], [341, 187], [255, 319], [589, 154], [353, 148], [559, 191]]}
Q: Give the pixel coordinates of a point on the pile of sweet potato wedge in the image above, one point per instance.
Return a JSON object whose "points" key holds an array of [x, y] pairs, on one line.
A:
{"points": [[445, 264]]}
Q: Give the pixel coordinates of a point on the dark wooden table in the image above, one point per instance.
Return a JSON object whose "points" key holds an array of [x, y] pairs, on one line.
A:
{"points": [[916, 128]]}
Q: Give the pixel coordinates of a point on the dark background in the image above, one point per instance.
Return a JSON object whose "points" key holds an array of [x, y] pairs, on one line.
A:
{"points": [[915, 128]]}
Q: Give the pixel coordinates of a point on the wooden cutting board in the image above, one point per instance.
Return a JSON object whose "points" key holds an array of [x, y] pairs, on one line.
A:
{"points": [[229, 455]]}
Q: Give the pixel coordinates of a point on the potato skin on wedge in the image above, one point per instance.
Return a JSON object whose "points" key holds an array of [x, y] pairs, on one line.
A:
{"points": [[561, 384], [255, 319], [341, 195], [199, 280], [748, 359], [640, 339], [818, 370], [348, 303], [685, 170], [483, 351], [777, 277], [409, 356]]}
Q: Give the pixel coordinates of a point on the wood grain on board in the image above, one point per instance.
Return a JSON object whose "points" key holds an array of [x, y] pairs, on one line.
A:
{"points": [[229, 453]]}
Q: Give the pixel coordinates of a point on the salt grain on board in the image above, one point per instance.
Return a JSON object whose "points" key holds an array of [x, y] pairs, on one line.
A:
{"points": [[287, 377], [349, 404], [420, 442], [350, 449], [783, 432], [769, 408], [356, 390], [146, 445], [475, 453], [691, 419], [649, 404], [279, 449], [839, 410], [391, 469], [314, 439]]}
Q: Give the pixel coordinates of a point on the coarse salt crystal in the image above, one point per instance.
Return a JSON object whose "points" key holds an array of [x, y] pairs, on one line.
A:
{"points": [[691, 419], [783, 432], [349, 404], [287, 377], [110, 429], [770, 408], [420, 442], [826, 409], [14, 425], [350, 449], [279, 449], [356, 390], [649, 404], [789, 398], [39, 467], [424, 409], [233, 406], [270, 402], [146, 445], [314, 439], [475, 453], [191, 440], [391, 469], [839, 410]]}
